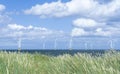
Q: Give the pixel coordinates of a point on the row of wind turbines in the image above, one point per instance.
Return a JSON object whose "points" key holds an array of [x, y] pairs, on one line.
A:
{"points": [[70, 46]]}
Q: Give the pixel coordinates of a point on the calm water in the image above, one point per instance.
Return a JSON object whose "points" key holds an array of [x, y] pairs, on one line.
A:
{"points": [[58, 52]]}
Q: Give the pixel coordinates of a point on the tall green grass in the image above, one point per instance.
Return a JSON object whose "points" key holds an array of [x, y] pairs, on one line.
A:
{"points": [[25, 63]]}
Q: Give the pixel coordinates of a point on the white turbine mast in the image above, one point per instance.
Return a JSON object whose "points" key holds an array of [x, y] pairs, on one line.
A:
{"points": [[70, 43], [111, 44], [19, 43]]}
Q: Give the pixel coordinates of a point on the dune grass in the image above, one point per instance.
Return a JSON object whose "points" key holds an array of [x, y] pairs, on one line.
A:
{"points": [[25, 63]]}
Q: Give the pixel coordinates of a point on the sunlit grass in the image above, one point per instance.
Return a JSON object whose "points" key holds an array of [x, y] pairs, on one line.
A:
{"points": [[25, 63]]}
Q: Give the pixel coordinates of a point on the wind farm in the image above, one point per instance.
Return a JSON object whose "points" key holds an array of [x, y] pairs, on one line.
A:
{"points": [[59, 36]]}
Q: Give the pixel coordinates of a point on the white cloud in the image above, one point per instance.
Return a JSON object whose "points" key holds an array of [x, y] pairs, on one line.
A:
{"points": [[59, 9], [82, 22], [104, 32], [48, 9], [78, 32], [89, 8], [94, 16], [21, 27], [101, 32], [110, 9], [80, 6], [90, 27], [16, 27], [2, 7], [28, 32]]}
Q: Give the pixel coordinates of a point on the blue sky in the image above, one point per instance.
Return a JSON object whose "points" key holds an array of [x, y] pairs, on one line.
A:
{"points": [[51, 24]]}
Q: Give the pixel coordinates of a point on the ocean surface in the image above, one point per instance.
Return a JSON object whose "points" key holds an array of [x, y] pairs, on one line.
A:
{"points": [[58, 52]]}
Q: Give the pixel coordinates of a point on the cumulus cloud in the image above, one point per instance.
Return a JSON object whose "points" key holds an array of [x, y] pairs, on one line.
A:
{"points": [[19, 27], [94, 16], [84, 22], [90, 27], [28, 32], [79, 32], [88, 8], [81, 6], [101, 32], [109, 9], [59, 9], [48, 9]]}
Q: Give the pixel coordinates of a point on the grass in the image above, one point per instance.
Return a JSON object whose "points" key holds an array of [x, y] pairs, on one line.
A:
{"points": [[25, 63]]}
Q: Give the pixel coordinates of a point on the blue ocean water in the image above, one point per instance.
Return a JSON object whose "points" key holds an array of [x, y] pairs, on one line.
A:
{"points": [[58, 52]]}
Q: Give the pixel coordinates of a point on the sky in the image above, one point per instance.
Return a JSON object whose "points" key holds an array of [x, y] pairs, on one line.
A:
{"points": [[59, 24]]}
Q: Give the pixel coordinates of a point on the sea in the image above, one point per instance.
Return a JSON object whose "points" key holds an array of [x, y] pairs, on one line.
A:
{"points": [[58, 52]]}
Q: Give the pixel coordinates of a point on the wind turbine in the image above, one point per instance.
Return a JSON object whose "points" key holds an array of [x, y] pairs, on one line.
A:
{"points": [[111, 44], [19, 43], [44, 42], [70, 43], [19, 35]]}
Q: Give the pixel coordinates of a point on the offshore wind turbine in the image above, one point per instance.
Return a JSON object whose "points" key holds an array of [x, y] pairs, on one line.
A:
{"points": [[19, 43], [19, 36], [44, 42], [111, 44], [70, 43]]}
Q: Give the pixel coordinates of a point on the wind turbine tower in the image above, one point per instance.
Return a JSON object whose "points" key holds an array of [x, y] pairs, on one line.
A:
{"points": [[19, 43], [111, 44]]}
